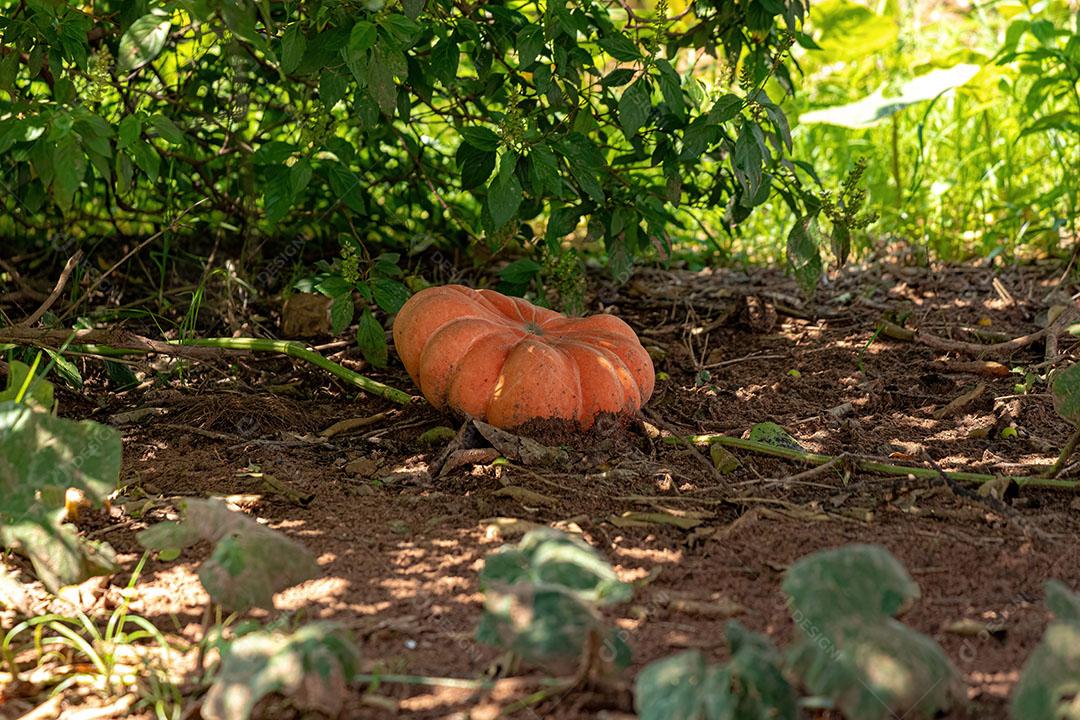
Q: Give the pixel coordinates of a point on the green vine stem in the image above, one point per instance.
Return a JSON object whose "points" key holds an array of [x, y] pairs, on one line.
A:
{"points": [[866, 464], [112, 343]]}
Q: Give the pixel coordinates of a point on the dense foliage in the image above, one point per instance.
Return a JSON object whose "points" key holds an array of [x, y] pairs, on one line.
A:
{"points": [[410, 124]]}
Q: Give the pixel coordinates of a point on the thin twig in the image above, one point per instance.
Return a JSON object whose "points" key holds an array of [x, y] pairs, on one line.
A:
{"points": [[55, 294], [1066, 451]]}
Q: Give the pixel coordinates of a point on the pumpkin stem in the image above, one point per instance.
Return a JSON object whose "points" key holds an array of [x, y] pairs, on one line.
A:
{"points": [[533, 328]]}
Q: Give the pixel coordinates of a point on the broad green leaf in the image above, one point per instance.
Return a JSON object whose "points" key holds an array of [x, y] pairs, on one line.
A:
{"points": [[389, 294], [634, 107], [772, 434], [1050, 681], [249, 563], [69, 165], [371, 339], [475, 165], [671, 88], [851, 649], [520, 271], [39, 391], [143, 41], [619, 46], [530, 43], [747, 160], [342, 309], [362, 36], [1064, 603], [312, 666], [1066, 392], [128, 133], [804, 253], [504, 192], [548, 557], [293, 45], [750, 686], [41, 456], [167, 129], [480, 138]]}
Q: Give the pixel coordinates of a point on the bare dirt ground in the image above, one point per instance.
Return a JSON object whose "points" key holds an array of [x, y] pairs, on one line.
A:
{"points": [[400, 548]]}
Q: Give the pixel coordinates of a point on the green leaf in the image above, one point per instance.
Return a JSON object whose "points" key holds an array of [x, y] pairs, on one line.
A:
{"points": [[362, 36], [504, 192], [167, 129], [445, 58], [520, 272], [41, 456], [1064, 603], [38, 390], [747, 159], [1051, 677], [772, 434], [371, 339], [751, 686], [389, 294], [381, 82], [128, 132], [403, 30], [481, 138], [557, 582], [342, 309], [851, 649], [413, 8], [1066, 392], [671, 88], [530, 43], [726, 108], [143, 41], [634, 107], [146, 159], [312, 666], [293, 46], [620, 47], [69, 165], [804, 255], [840, 242], [249, 563]]}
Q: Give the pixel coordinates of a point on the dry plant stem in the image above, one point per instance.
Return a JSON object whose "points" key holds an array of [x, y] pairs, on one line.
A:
{"points": [[1066, 451], [60, 283], [968, 348], [111, 343], [866, 464]]}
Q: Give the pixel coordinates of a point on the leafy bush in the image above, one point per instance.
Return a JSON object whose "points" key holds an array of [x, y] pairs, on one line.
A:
{"points": [[405, 123]]}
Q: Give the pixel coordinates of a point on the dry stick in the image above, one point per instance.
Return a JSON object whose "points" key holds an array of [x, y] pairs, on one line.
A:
{"points": [[896, 332], [867, 464], [119, 342], [59, 288]]}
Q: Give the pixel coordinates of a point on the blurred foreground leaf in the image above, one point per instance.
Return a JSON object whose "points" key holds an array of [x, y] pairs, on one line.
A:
{"points": [[41, 456], [312, 666], [750, 686], [249, 564], [1049, 687], [851, 648]]}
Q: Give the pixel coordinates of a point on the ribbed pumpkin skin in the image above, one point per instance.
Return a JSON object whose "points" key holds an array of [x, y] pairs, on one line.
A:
{"points": [[505, 361]]}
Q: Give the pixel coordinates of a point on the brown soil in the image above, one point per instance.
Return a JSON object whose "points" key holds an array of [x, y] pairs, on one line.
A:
{"points": [[401, 550]]}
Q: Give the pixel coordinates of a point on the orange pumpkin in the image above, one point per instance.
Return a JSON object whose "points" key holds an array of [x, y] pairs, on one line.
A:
{"points": [[505, 361]]}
